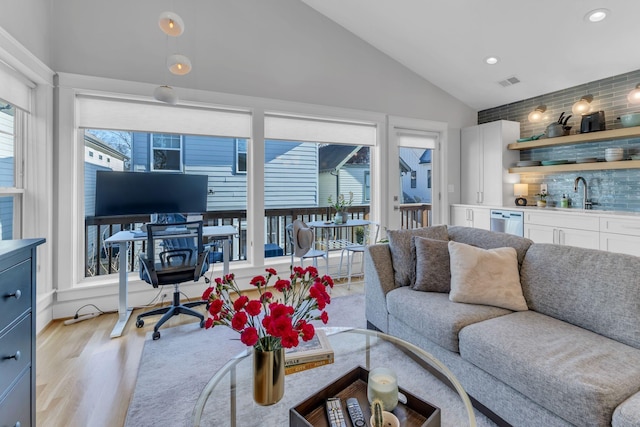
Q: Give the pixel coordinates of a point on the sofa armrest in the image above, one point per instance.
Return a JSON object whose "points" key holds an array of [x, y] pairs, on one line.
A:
{"points": [[627, 414], [378, 281]]}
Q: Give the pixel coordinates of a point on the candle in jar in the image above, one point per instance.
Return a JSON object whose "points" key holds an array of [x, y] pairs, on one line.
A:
{"points": [[383, 385]]}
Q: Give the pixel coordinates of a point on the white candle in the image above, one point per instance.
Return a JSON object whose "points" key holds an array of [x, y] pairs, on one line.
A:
{"points": [[383, 385]]}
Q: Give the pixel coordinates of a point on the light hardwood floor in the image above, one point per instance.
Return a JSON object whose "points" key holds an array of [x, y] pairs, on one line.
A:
{"points": [[86, 379]]}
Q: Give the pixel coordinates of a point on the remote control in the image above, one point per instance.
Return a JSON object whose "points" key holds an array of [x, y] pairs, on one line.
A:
{"points": [[355, 412], [334, 412]]}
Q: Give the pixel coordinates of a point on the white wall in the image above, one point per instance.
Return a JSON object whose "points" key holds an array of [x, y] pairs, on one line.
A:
{"points": [[29, 22]]}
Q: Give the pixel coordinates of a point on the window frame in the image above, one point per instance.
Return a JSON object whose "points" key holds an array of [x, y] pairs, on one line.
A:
{"points": [[16, 192], [238, 152], [152, 149]]}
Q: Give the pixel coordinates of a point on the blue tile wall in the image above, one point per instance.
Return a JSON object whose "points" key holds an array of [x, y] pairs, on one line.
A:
{"points": [[609, 189]]}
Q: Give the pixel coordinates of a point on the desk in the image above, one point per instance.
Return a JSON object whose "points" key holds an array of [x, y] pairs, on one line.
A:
{"points": [[122, 239], [336, 243]]}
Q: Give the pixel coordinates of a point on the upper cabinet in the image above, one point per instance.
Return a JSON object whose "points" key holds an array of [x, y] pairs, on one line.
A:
{"points": [[607, 135], [485, 162]]}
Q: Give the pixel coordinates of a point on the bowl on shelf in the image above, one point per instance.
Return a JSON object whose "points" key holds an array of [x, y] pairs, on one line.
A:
{"points": [[613, 154], [630, 120]]}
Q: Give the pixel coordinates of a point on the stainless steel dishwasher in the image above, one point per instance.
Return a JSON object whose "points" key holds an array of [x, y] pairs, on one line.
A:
{"points": [[511, 222]]}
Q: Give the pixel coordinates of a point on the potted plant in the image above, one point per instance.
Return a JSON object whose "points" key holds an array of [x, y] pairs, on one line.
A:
{"points": [[341, 205], [542, 199]]}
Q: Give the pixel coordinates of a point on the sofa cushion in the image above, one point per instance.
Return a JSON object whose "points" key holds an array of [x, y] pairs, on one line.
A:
{"points": [[485, 276], [577, 374], [433, 273], [486, 239], [593, 289], [403, 253], [436, 316], [627, 413]]}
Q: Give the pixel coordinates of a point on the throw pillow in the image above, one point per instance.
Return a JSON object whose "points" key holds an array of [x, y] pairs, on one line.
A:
{"points": [[403, 251], [433, 273], [485, 276]]}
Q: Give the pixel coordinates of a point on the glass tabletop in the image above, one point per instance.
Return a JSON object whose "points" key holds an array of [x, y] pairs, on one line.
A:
{"points": [[227, 399]]}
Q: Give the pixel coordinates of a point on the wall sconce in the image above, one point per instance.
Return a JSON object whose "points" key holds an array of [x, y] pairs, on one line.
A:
{"points": [[520, 190], [536, 115], [171, 24], [583, 106], [179, 64], [634, 95]]}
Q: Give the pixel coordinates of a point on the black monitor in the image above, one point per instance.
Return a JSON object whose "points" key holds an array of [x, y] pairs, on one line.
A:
{"points": [[138, 193]]}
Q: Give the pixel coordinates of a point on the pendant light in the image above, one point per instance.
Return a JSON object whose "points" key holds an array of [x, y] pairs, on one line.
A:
{"points": [[166, 94], [179, 64], [171, 24]]}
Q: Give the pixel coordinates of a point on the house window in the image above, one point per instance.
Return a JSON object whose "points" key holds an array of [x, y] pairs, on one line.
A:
{"points": [[241, 156], [429, 178], [166, 152], [90, 153], [414, 179], [99, 156]]}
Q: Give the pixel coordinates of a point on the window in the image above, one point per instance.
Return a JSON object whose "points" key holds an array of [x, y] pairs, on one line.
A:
{"points": [[90, 153], [99, 156], [367, 185], [241, 156], [10, 176], [166, 152], [414, 179]]}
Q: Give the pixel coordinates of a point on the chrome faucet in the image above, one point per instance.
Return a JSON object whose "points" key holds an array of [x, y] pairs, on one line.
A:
{"points": [[586, 204]]}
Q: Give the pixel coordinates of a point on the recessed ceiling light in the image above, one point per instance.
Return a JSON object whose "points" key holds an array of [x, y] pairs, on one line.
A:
{"points": [[597, 15], [491, 60]]}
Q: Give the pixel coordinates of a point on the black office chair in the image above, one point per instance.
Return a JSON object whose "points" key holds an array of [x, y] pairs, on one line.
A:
{"points": [[175, 254]]}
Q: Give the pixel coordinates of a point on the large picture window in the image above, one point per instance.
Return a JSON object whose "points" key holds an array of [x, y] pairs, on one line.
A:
{"points": [[10, 178]]}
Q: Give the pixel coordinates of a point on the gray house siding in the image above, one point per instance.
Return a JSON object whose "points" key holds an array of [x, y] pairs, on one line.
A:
{"points": [[291, 170], [350, 180]]}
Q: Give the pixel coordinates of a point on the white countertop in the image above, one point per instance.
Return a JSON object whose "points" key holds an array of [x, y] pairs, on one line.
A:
{"points": [[570, 211]]}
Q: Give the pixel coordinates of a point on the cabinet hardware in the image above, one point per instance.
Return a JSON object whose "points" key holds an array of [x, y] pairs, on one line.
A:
{"points": [[17, 294], [15, 356]]}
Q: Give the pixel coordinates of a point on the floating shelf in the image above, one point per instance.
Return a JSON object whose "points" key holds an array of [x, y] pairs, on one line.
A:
{"points": [[572, 167], [604, 135]]}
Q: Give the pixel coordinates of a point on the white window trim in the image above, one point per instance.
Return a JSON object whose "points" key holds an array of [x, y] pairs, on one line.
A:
{"points": [[152, 149]]}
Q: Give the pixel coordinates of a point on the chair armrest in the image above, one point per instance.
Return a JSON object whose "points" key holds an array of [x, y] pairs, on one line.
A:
{"points": [[627, 414], [378, 281], [148, 271]]}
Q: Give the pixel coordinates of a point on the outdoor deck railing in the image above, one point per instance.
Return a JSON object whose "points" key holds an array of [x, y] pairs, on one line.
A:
{"points": [[103, 259]]}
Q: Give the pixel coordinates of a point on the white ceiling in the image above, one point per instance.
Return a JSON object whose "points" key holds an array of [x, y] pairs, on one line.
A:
{"points": [[546, 44]]}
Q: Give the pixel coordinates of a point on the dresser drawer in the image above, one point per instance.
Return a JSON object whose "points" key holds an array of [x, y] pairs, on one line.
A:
{"points": [[16, 406], [17, 339], [15, 292]]}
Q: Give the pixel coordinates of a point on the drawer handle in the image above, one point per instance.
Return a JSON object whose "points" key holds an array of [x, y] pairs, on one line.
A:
{"points": [[17, 294], [15, 356]]}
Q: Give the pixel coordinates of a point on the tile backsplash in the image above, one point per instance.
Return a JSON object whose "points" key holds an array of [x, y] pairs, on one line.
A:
{"points": [[608, 189]]}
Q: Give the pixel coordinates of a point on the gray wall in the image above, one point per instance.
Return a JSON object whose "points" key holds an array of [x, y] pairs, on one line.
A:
{"points": [[29, 22], [612, 190], [279, 49]]}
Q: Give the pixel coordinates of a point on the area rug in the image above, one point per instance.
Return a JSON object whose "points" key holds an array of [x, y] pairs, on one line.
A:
{"points": [[174, 370]]}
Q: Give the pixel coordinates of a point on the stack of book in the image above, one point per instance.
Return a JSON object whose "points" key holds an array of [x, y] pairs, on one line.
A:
{"points": [[309, 354]]}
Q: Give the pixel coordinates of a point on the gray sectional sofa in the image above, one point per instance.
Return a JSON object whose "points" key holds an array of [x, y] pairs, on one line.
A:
{"points": [[571, 358]]}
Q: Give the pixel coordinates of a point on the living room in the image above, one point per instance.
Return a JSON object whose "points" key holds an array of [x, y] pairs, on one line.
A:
{"points": [[281, 56]]}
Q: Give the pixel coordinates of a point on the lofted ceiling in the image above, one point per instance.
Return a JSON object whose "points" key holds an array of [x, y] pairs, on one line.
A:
{"points": [[546, 44]]}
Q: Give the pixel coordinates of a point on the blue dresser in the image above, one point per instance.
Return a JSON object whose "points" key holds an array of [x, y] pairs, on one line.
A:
{"points": [[17, 332]]}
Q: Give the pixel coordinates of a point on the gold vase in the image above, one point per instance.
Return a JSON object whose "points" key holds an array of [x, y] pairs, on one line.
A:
{"points": [[268, 376]]}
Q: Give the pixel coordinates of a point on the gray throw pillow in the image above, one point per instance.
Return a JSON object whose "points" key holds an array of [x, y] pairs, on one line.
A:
{"points": [[403, 250], [433, 272]]}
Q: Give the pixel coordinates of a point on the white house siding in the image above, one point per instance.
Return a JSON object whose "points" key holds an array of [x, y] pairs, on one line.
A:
{"points": [[351, 179], [411, 156]]}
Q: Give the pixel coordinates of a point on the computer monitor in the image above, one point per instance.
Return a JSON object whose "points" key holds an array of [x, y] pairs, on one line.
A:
{"points": [[139, 193]]}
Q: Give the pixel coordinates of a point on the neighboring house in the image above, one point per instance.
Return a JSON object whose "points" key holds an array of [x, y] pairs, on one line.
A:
{"points": [[416, 181], [291, 177], [344, 169], [6, 172]]}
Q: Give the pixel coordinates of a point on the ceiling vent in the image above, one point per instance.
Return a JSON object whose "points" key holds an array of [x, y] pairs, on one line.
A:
{"points": [[509, 81]]}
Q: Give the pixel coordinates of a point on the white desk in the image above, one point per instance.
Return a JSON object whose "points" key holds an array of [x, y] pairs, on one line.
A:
{"points": [[122, 239], [325, 226]]}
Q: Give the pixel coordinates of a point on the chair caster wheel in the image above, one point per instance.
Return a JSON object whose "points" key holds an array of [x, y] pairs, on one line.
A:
{"points": [[156, 335], [139, 323]]}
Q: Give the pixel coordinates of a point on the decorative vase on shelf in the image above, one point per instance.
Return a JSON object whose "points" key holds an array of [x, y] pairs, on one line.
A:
{"points": [[268, 376], [542, 203]]}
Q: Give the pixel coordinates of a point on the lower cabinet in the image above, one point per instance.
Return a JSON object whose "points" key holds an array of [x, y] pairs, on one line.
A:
{"points": [[475, 217], [563, 229], [621, 235]]}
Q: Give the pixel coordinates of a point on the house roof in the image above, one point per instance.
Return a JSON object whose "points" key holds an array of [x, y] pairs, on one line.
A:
{"points": [[100, 145], [333, 156]]}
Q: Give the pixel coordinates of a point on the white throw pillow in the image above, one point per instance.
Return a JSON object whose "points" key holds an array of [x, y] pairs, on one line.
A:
{"points": [[485, 276]]}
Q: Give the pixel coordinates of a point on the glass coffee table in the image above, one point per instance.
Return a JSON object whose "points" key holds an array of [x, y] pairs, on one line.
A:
{"points": [[227, 399]]}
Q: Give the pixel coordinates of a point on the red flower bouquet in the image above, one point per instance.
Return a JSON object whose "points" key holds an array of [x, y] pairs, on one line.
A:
{"points": [[269, 322]]}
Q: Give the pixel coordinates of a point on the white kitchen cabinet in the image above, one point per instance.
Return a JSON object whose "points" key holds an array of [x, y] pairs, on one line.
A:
{"points": [[485, 162], [621, 235], [471, 216], [563, 229]]}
